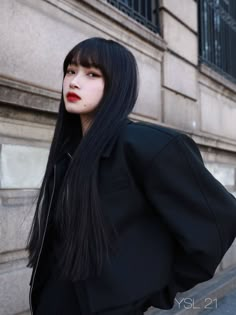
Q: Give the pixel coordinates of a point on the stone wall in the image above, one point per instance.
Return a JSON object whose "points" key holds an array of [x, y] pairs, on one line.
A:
{"points": [[174, 91]]}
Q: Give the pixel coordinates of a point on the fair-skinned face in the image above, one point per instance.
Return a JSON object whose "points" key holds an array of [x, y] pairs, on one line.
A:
{"points": [[82, 91]]}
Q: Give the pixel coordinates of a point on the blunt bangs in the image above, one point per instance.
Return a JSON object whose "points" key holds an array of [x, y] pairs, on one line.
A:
{"points": [[89, 53]]}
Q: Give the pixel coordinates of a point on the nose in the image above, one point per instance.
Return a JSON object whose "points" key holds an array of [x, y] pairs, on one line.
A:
{"points": [[74, 83], [77, 79]]}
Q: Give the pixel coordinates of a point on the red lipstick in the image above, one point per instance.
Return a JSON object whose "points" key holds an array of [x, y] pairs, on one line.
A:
{"points": [[72, 97]]}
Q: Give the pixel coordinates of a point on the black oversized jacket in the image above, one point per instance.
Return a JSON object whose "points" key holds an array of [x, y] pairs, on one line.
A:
{"points": [[175, 220]]}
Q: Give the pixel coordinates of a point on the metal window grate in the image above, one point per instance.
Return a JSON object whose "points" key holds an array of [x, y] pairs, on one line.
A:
{"points": [[143, 11], [217, 41]]}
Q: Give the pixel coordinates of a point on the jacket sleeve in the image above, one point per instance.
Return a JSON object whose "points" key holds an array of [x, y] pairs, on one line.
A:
{"points": [[198, 211]]}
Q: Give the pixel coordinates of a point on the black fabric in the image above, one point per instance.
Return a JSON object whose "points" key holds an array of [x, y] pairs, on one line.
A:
{"points": [[57, 296], [173, 228]]}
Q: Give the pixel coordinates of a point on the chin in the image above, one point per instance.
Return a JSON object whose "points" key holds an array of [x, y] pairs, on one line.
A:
{"points": [[72, 111]]}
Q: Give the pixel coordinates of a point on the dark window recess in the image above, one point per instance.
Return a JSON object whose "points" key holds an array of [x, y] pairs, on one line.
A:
{"points": [[217, 40], [143, 11]]}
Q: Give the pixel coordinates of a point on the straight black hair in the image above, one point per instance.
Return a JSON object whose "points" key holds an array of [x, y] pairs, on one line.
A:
{"points": [[88, 237]]}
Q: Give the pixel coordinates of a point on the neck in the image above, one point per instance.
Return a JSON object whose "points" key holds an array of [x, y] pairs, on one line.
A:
{"points": [[86, 121]]}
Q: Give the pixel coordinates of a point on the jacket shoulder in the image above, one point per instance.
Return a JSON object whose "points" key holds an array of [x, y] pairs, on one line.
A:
{"points": [[148, 138], [147, 127], [143, 141]]}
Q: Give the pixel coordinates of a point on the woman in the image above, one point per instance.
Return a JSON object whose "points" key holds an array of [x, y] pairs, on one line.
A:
{"points": [[127, 215]]}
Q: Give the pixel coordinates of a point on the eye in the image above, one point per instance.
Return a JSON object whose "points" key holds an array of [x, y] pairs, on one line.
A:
{"points": [[70, 71], [93, 74]]}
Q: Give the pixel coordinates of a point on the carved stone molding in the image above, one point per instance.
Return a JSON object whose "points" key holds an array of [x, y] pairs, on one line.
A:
{"points": [[25, 95]]}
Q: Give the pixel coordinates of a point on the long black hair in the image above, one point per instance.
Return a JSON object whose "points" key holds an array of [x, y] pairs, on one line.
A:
{"points": [[87, 235]]}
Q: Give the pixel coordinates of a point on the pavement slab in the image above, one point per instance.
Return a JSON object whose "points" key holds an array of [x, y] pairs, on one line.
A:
{"points": [[213, 297]]}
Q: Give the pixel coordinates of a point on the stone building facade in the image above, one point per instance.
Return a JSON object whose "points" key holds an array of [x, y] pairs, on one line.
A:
{"points": [[176, 90]]}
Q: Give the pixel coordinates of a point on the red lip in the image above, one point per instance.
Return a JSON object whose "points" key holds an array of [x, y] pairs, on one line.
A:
{"points": [[72, 97]]}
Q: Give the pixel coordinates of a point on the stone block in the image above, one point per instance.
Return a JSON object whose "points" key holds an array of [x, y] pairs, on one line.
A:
{"points": [[180, 111], [16, 215], [223, 173], [179, 76], [19, 129], [186, 11], [37, 40], [149, 100], [17, 255], [218, 113], [22, 166], [180, 39], [42, 32], [230, 257], [24, 95], [14, 291]]}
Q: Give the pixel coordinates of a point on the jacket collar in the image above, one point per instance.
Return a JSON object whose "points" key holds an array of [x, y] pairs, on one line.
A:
{"points": [[108, 148], [106, 152]]}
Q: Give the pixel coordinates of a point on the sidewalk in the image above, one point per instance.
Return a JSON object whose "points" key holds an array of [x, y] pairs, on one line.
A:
{"points": [[225, 306], [214, 297]]}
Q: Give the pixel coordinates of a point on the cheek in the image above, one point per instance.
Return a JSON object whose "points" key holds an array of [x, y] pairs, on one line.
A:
{"points": [[101, 90], [65, 86], [98, 95]]}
